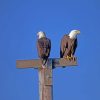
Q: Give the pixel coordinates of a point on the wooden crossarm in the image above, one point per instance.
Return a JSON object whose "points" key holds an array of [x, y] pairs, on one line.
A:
{"points": [[35, 63]]}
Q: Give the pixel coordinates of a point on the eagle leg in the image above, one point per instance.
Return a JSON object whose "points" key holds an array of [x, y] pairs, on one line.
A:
{"points": [[43, 66], [43, 63]]}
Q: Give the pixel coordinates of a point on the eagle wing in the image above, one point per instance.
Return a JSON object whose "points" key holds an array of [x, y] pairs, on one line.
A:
{"points": [[48, 47], [63, 45], [44, 47]]}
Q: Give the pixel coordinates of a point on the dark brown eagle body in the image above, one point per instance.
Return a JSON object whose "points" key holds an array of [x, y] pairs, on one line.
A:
{"points": [[68, 46], [44, 47]]}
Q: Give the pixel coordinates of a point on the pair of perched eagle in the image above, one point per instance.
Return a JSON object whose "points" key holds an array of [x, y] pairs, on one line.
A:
{"points": [[67, 47]]}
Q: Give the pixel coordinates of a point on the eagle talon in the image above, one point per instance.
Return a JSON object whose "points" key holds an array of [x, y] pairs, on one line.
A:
{"points": [[68, 58]]}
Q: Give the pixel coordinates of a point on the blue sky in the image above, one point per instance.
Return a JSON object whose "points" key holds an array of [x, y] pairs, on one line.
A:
{"points": [[20, 20]]}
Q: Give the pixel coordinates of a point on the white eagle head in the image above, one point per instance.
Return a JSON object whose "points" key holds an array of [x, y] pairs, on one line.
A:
{"points": [[74, 33], [41, 34]]}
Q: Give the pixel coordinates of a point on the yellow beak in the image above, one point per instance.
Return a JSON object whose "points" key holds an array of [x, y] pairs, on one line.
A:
{"points": [[78, 32]]}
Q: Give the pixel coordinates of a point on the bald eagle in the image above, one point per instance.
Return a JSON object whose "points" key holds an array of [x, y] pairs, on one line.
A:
{"points": [[68, 45], [43, 47]]}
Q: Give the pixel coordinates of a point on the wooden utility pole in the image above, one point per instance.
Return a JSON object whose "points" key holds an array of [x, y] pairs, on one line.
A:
{"points": [[45, 74]]}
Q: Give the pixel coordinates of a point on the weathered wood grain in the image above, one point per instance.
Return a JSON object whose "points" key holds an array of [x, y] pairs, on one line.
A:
{"points": [[36, 63]]}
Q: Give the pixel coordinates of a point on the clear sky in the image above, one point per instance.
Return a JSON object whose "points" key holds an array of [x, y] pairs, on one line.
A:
{"points": [[20, 20]]}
